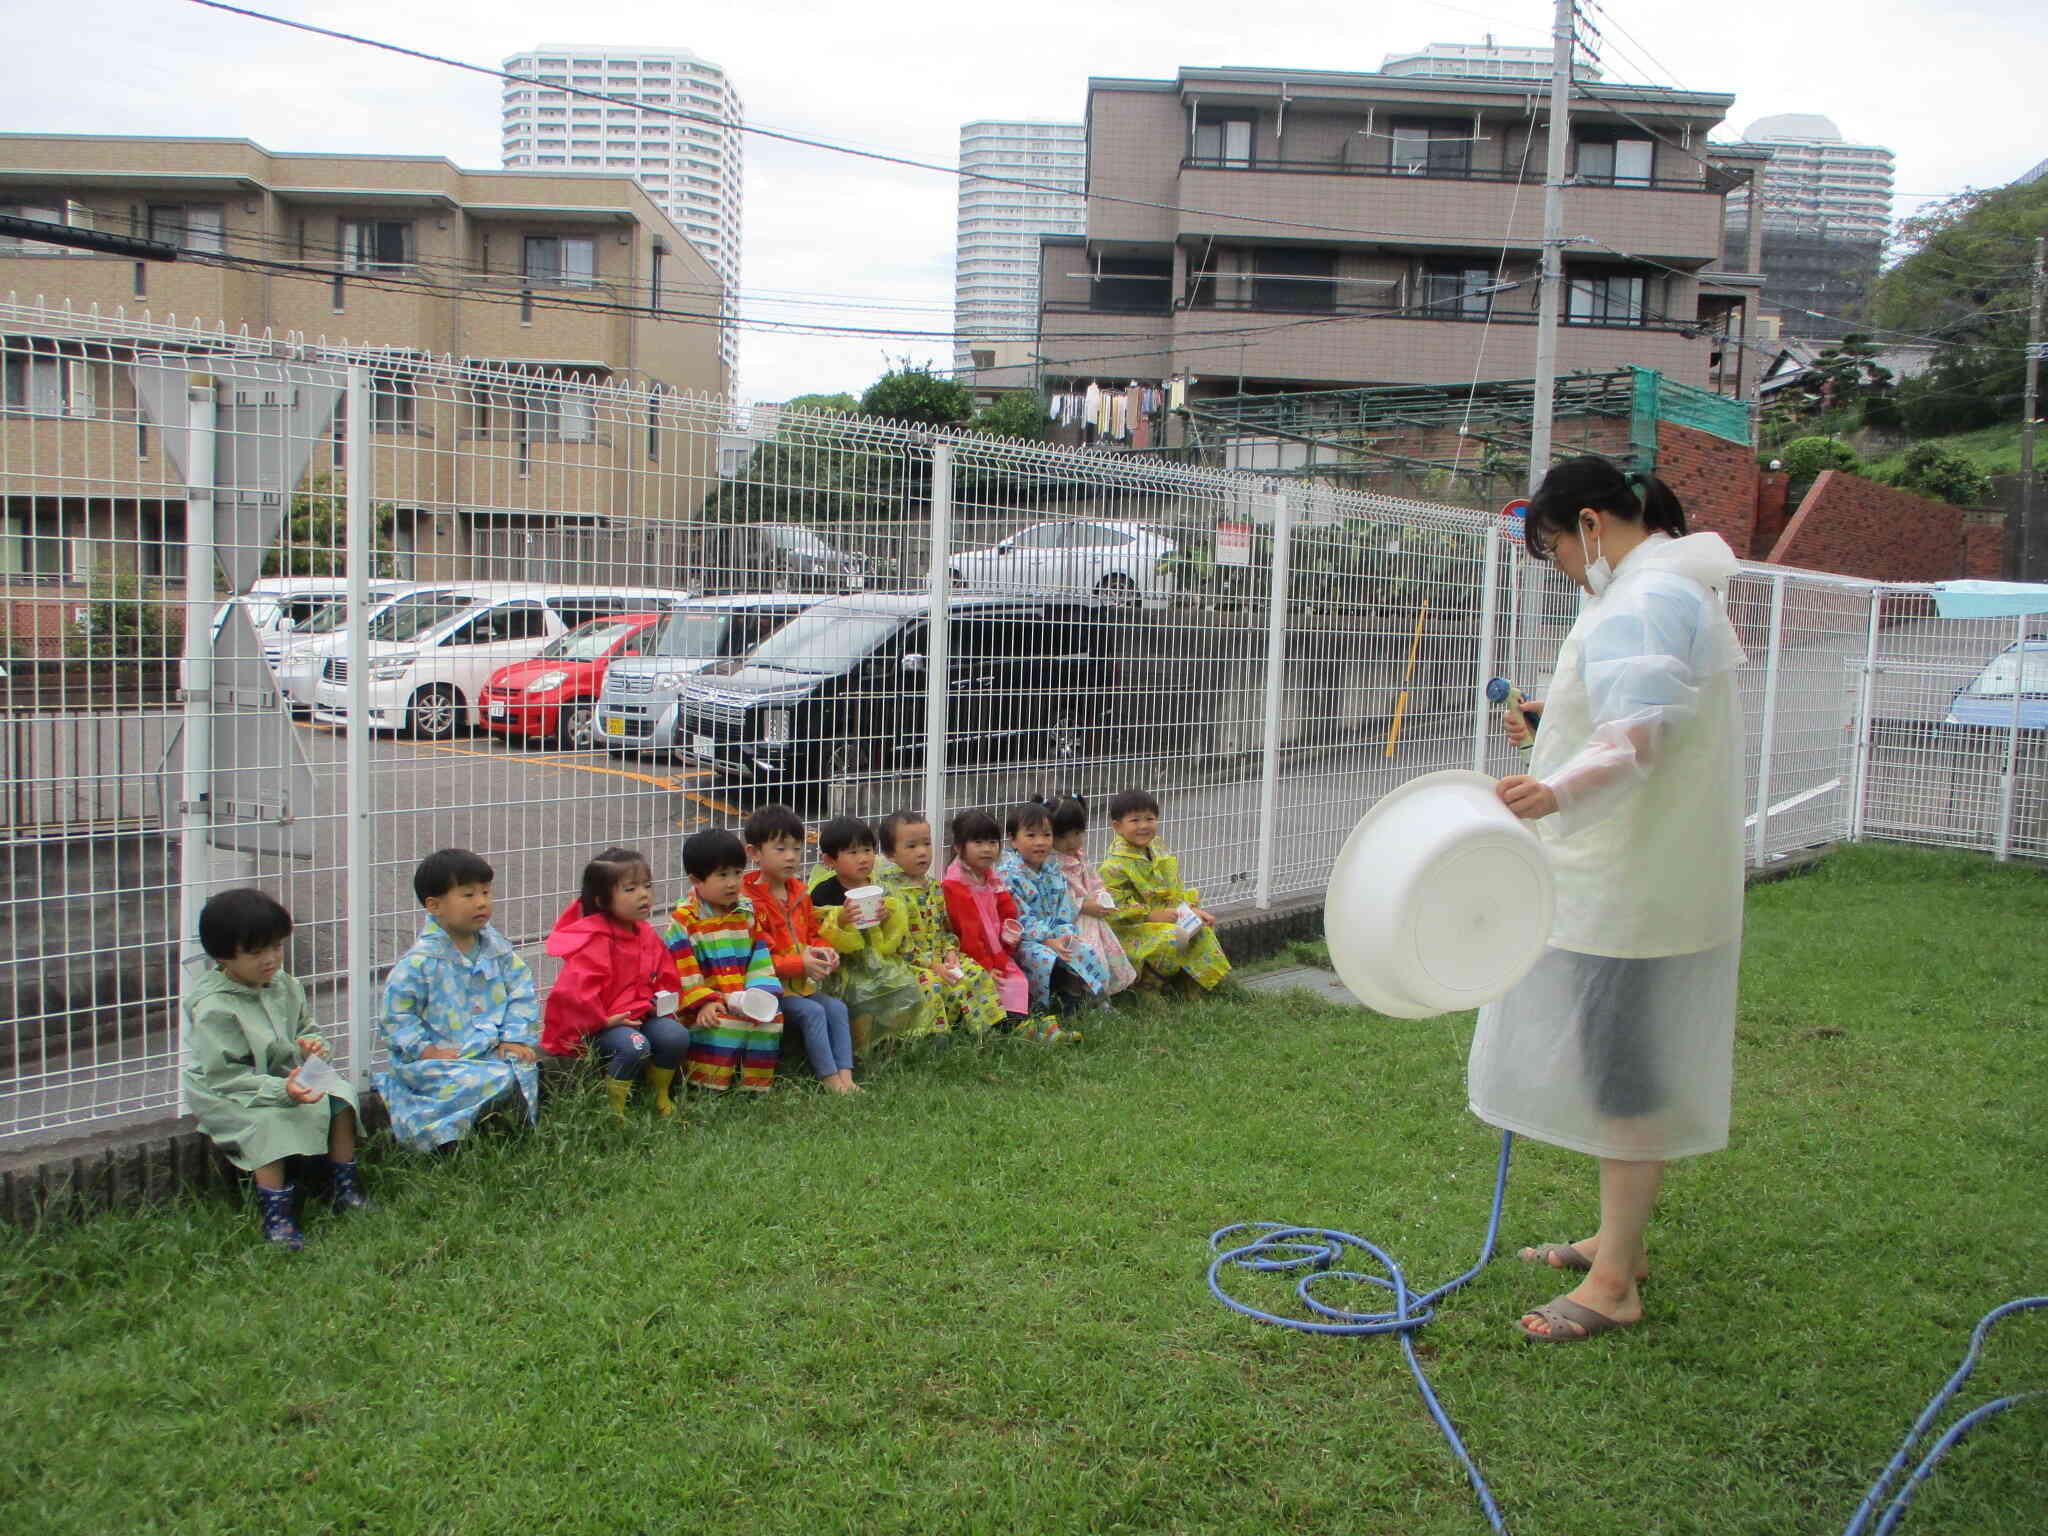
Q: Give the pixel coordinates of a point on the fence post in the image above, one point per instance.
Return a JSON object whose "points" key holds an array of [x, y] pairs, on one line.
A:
{"points": [[2008, 788], [1766, 737], [195, 858], [357, 895], [1276, 677], [938, 659], [1864, 702], [1489, 604]]}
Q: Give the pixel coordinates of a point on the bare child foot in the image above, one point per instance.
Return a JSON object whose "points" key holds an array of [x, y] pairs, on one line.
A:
{"points": [[841, 1082]]}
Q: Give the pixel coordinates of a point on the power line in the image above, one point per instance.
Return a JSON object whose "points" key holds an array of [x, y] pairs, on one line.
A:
{"points": [[882, 156]]}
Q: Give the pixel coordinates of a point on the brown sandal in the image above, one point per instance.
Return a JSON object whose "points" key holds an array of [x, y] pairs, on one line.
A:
{"points": [[1565, 1310]]}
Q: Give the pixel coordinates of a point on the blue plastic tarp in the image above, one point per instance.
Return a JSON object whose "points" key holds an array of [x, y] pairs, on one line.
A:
{"points": [[1989, 599]]}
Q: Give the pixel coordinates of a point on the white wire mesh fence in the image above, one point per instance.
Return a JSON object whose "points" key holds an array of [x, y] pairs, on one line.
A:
{"points": [[297, 615]]}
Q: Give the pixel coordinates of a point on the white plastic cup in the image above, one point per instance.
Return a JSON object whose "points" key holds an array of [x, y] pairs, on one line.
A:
{"points": [[317, 1074], [758, 1004], [864, 903], [665, 1004]]}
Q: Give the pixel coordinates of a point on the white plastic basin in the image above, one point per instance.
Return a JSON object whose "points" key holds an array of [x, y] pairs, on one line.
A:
{"points": [[1440, 900]]}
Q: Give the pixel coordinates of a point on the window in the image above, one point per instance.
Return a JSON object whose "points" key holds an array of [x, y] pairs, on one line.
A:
{"points": [[47, 385], [567, 263], [507, 621], [1605, 298], [380, 245], [1432, 146], [1455, 289], [187, 227], [16, 245], [1291, 279], [538, 412], [1616, 162], [394, 402], [1133, 285], [1224, 141]]}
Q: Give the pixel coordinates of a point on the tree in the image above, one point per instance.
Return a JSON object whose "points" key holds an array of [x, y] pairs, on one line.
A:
{"points": [[918, 396], [1943, 474], [1964, 284], [316, 535], [1015, 413], [1806, 457], [841, 404]]}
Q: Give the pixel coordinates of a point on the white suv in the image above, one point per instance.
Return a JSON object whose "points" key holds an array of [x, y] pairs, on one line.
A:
{"points": [[431, 652]]}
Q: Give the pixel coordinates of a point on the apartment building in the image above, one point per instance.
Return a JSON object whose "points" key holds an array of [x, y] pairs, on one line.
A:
{"points": [[1253, 230], [507, 272], [669, 123], [995, 267], [1824, 206]]}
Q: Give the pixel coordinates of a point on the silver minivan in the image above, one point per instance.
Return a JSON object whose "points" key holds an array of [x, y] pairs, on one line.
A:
{"points": [[637, 710]]}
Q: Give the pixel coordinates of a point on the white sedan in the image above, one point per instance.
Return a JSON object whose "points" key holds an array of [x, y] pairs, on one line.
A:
{"points": [[1119, 563]]}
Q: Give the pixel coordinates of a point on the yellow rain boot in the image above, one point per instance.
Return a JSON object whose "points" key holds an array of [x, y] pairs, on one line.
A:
{"points": [[659, 1079], [617, 1089]]}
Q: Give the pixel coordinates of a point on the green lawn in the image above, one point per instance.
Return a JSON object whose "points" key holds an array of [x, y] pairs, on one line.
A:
{"points": [[973, 1301], [1994, 450]]}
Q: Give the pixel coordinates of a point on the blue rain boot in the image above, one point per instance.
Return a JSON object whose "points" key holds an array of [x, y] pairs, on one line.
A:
{"points": [[344, 1189], [278, 1226]]}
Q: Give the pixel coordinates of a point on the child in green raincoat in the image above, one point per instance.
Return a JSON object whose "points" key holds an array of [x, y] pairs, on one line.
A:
{"points": [[1158, 920], [248, 1031], [880, 990]]}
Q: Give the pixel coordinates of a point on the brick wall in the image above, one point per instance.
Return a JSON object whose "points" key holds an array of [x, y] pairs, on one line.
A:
{"points": [[1773, 509], [1715, 479], [1856, 527], [1984, 550]]}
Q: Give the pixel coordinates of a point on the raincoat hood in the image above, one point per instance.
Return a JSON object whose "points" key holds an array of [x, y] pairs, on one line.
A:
{"points": [[1701, 557], [576, 928]]}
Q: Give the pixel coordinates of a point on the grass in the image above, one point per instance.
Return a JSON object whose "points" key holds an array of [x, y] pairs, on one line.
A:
{"points": [[1994, 450], [972, 1301]]}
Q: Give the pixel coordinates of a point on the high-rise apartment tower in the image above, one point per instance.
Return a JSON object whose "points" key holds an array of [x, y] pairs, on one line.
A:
{"points": [[995, 270], [691, 166]]}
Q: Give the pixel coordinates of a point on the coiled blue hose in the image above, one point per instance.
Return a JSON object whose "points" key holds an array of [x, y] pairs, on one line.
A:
{"points": [[1281, 1249]]}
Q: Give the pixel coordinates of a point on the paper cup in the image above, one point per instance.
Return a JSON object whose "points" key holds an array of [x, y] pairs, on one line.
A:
{"points": [[758, 1004], [864, 905], [1186, 926], [1012, 932], [665, 1004], [318, 1074]]}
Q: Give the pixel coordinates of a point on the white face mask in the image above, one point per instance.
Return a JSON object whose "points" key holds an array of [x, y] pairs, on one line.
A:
{"points": [[1599, 574]]}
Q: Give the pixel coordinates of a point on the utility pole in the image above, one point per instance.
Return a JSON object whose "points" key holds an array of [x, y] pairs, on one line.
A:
{"points": [[1550, 291], [2029, 544]]}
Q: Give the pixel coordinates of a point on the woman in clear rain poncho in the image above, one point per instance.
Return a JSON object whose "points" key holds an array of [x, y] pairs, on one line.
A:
{"points": [[1619, 1043]]}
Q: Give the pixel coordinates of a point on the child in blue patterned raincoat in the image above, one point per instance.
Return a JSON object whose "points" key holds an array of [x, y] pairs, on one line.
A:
{"points": [[1064, 971], [461, 1019]]}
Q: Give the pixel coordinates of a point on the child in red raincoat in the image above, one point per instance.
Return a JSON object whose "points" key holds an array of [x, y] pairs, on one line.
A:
{"points": [[984, 915], [619, 983]]}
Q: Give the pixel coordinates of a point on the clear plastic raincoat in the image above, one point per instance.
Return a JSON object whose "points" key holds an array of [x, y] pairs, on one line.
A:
{"points": [[1619, 1042]]}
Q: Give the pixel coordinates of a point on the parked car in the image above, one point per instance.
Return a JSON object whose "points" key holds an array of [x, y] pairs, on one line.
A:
{"points": [[1108, 562], [281, 606], [431, 655], [297, 657], [554, 696], [636, 711], [781, 557], [1986, 701], [839, 691]]}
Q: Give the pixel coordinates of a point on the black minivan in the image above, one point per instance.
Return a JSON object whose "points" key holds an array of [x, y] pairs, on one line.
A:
{"points": [[839, 692]]}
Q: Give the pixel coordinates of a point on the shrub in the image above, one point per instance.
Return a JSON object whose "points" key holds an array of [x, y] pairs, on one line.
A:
{"points": [[1806, 457], [1943, 474], [122, 622]]}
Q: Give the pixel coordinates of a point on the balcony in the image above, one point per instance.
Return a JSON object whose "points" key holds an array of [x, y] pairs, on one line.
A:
{"points": [[1676, 221]]}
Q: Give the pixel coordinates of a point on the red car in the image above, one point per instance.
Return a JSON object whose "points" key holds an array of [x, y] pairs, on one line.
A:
{"points": [[554, 694]]}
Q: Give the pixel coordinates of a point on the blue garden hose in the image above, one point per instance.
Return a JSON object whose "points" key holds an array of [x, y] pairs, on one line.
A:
{"points": [[1281, 1249]]}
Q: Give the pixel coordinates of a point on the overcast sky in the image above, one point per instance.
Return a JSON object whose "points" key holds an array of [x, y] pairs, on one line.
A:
{"points": [[1956, 92]]}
